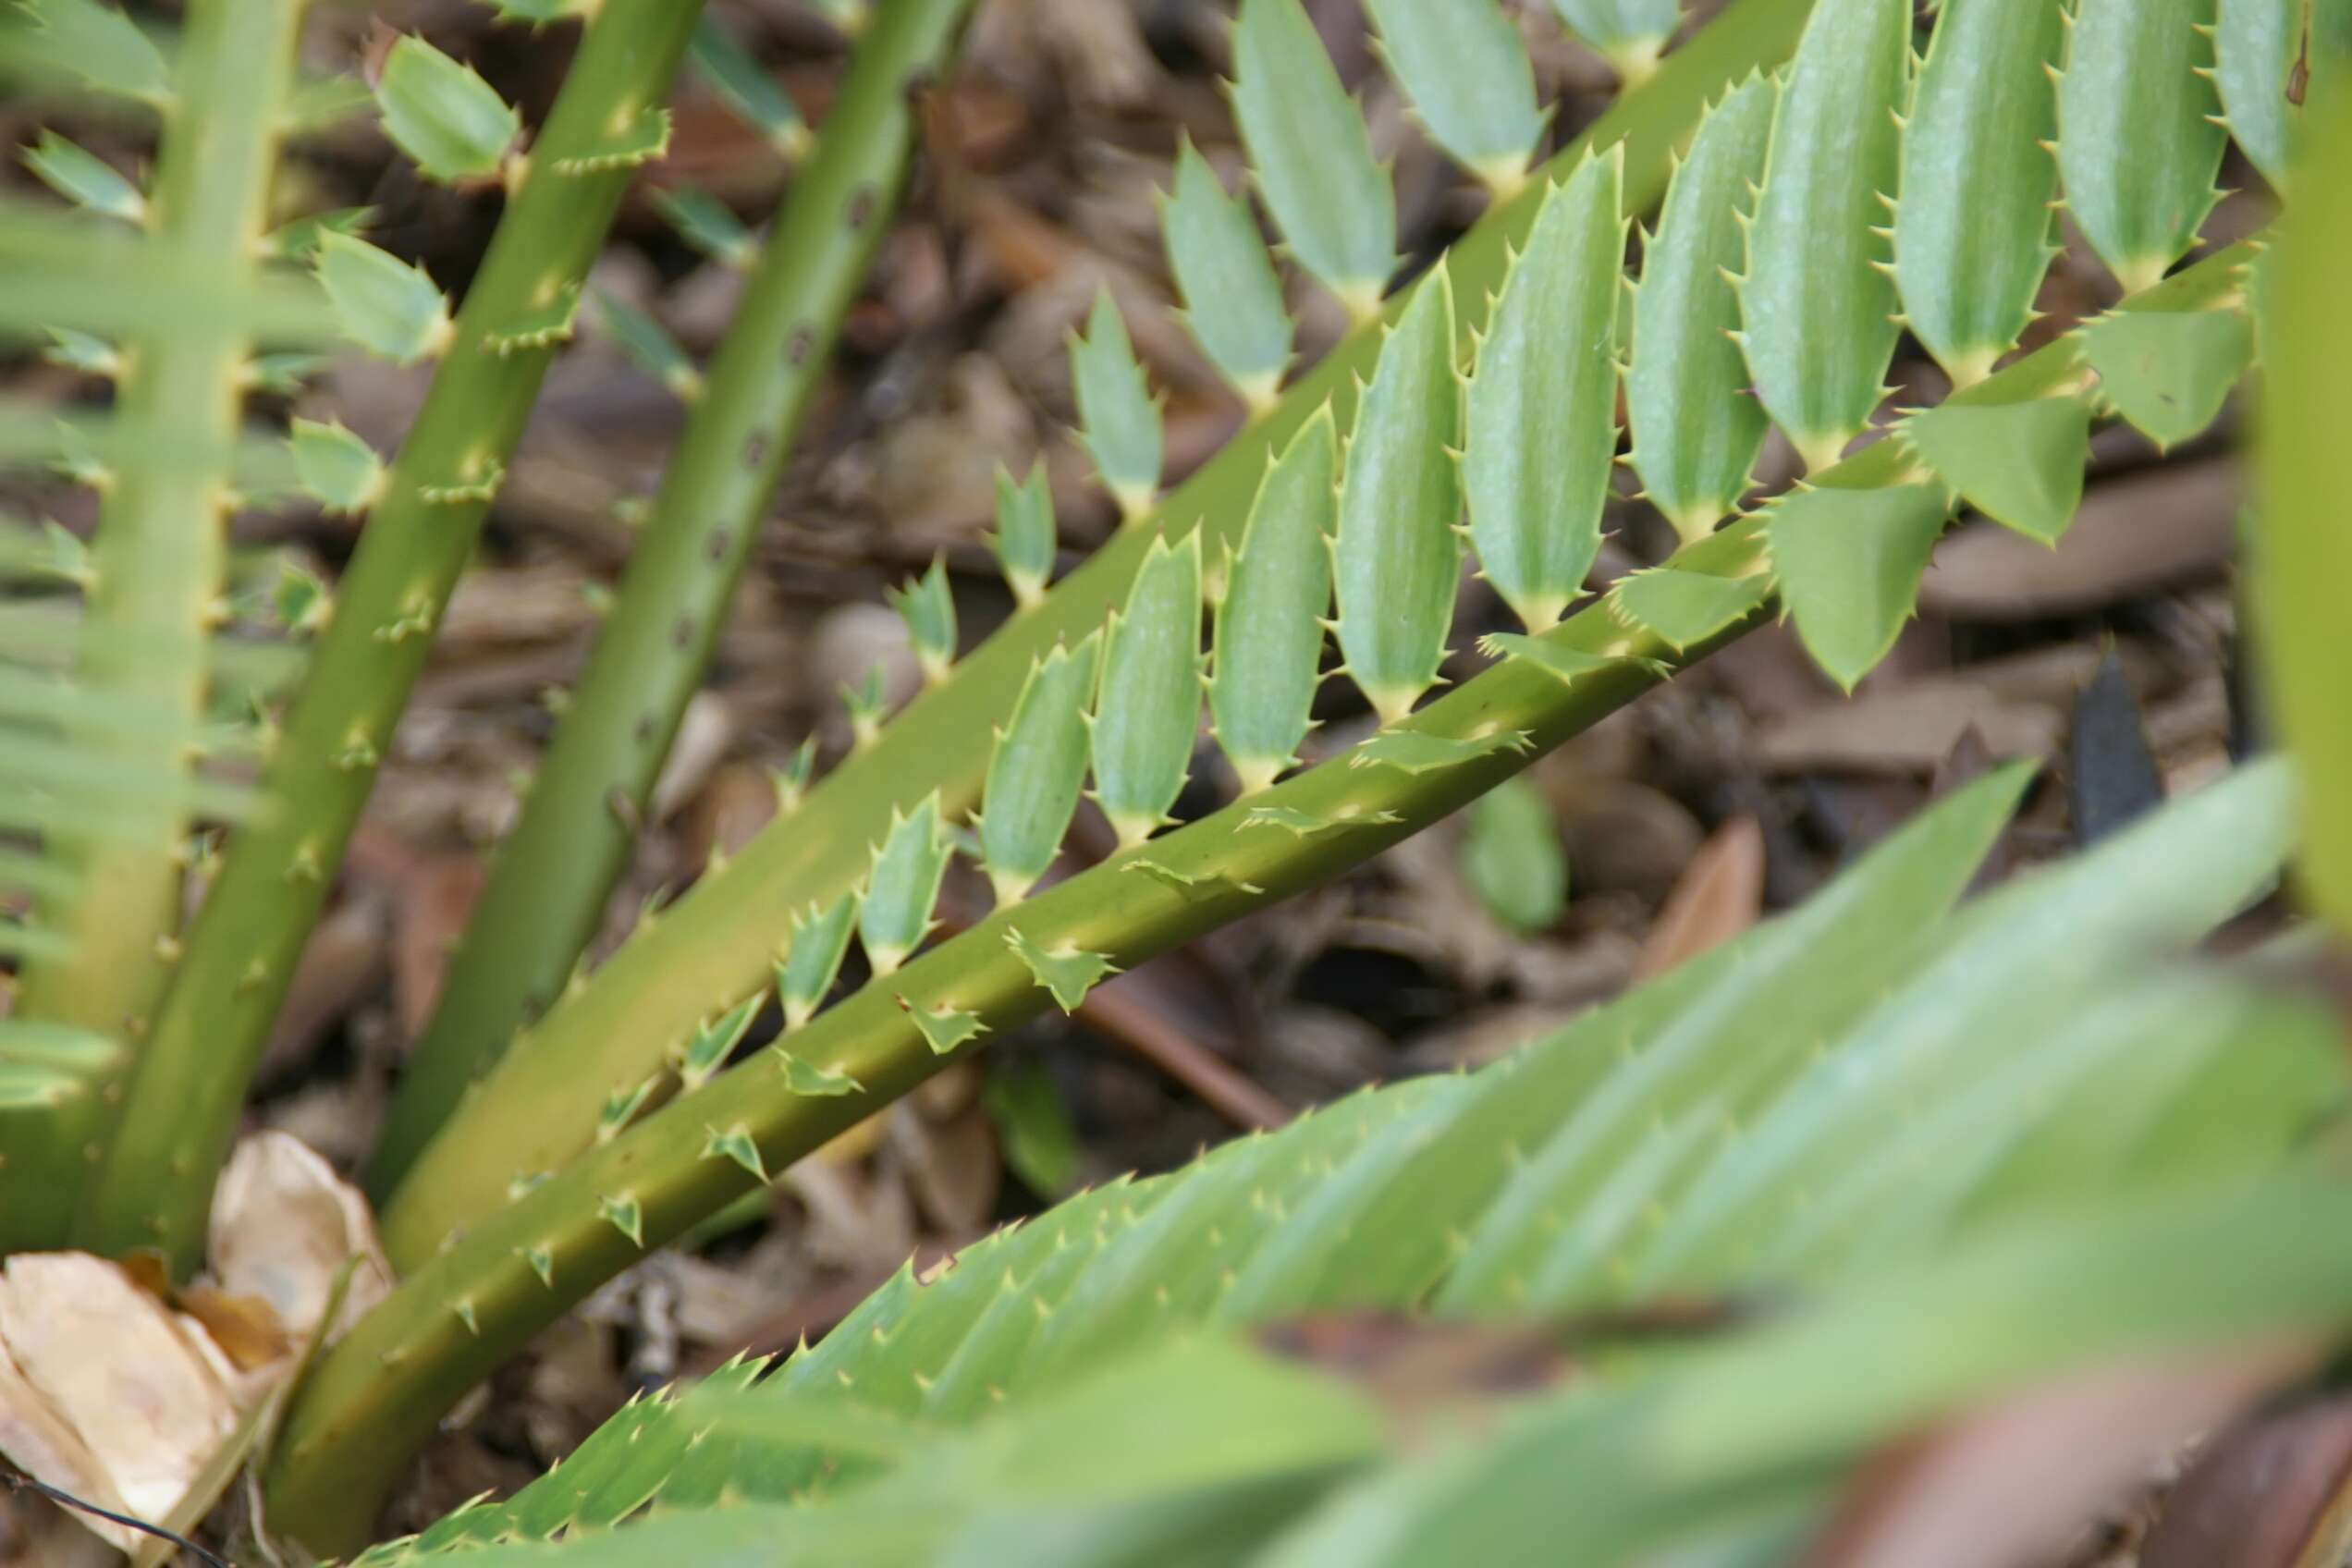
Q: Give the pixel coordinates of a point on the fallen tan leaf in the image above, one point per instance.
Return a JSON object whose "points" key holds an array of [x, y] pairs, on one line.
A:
{"points": [[39, 1440], [1718, 896], [110, 1394], [133, 1381], [254, 1436], [284, 1225]]}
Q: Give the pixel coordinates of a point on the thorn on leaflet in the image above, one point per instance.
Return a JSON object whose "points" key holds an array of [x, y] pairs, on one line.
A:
{"points": [[623, 1215]]}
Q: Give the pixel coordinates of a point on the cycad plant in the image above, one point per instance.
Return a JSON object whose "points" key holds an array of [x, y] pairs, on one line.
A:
{"points": [[1820, 186], [1924, 1126]]}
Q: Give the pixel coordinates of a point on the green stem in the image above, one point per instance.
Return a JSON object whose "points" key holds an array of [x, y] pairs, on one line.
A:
{"points": [[155, 1187], [549, 890], [2300, 547], [158, 559], [379, 1392], [459, 1314], [541, 1106]]}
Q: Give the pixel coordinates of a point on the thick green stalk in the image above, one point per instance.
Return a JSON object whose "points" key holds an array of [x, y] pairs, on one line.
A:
{"points": [[157, 561], [2301, 547], [379, 1392], [513, 1271], [547, 892], [155, 1186], [541, 1106]]}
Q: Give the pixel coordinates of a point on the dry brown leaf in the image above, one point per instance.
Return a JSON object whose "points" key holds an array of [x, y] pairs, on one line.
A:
{"points": [[2134, 533], [1442, 920], [1098, 49], [2016, 704], [1718, 896], [855, 1221], [851, 1144], [1123, 1009], [1023, 249], [151, 1272], [2006, 1487], [718, 1305], [500, 606], [850, 641], [807, 1315], [1908, 731], [2275, 1491], [950, 1167], [247, 1328], [704, 732], [343, 960], [1425, 1374], [728, 812], [1624, 836], [714, 148], [436, 897], [575, 1383], [950, 1092]]}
